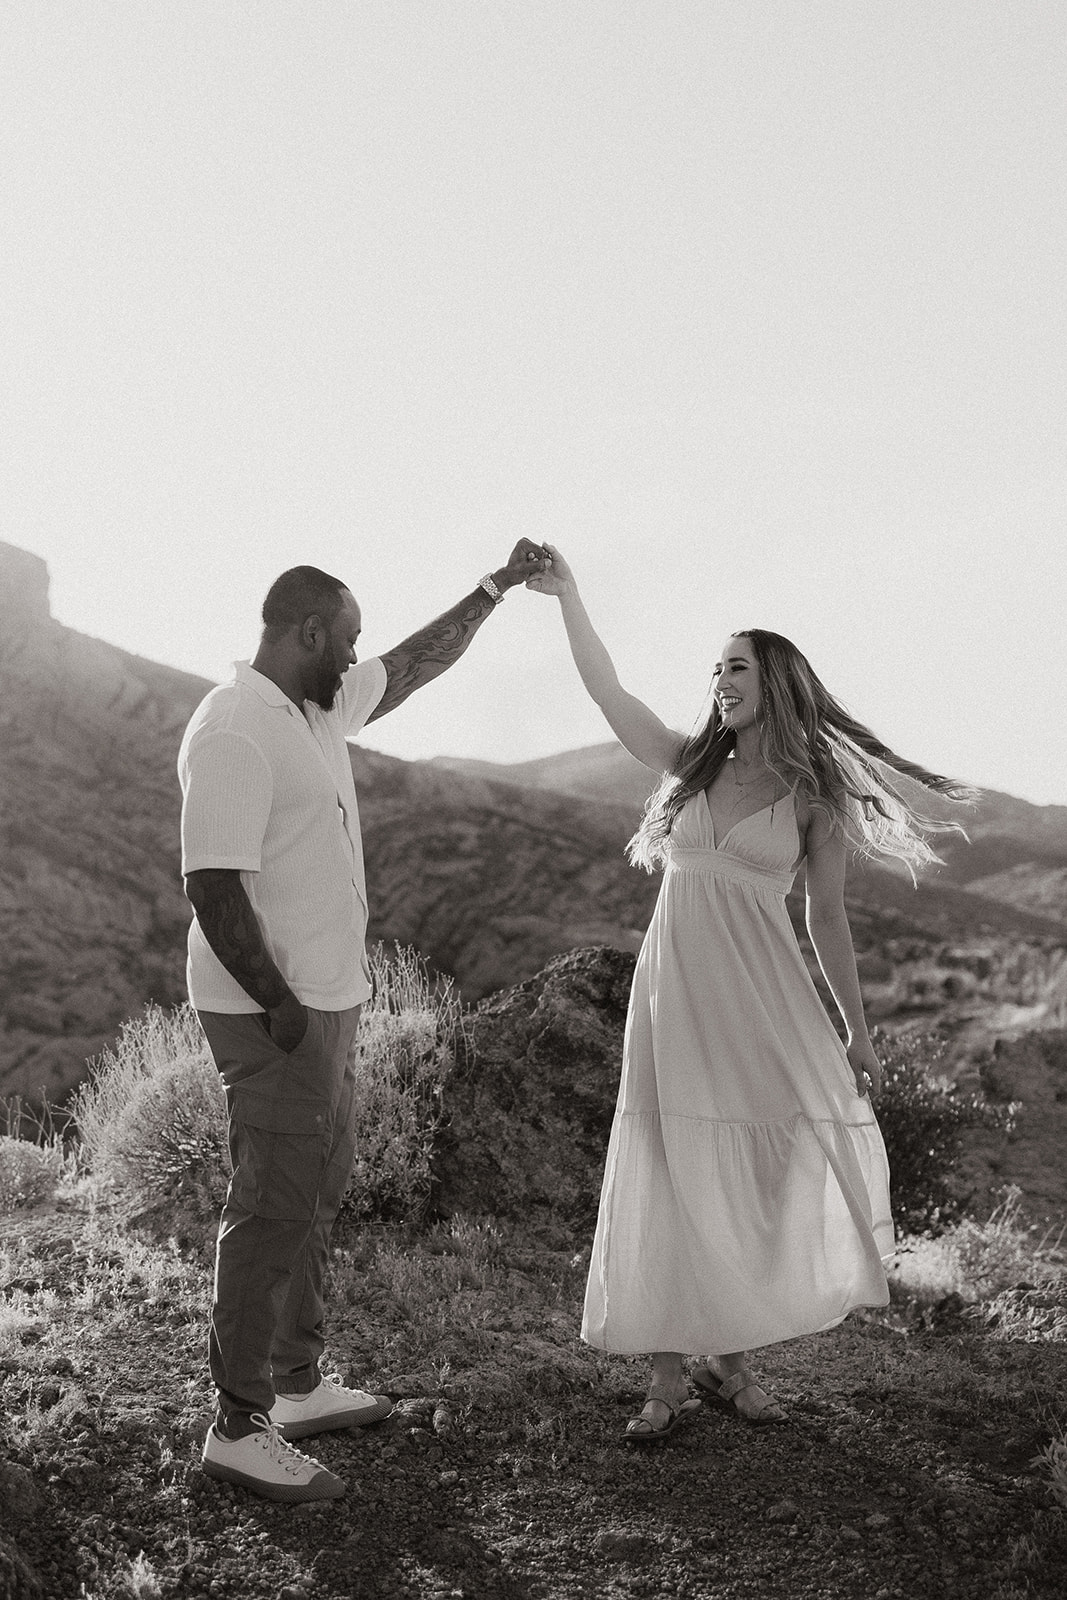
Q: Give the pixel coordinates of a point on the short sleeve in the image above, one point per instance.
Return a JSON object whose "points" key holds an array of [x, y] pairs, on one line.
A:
{"points": [[361, 693], [227, 791]]}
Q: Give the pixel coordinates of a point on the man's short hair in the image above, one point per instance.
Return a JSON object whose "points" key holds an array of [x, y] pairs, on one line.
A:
{"points": [[298, 594]]}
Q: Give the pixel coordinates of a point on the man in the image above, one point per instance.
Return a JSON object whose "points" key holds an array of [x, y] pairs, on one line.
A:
{"points": [[277, 971]]}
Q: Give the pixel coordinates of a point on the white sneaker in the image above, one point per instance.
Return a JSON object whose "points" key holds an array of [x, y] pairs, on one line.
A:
{"points": [[265, 1463], [330, 1405]]}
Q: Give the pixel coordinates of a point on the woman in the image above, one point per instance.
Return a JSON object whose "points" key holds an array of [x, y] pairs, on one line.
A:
{"points": [[746, 1192]]}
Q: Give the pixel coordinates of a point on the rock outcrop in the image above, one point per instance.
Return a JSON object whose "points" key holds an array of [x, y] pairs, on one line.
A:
{"points": [[530, 1105], [531, 1101]]}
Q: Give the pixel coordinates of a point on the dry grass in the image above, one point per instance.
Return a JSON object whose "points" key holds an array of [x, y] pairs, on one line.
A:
{"points": [[30, 1174], [1054, 1459], [979, 1260]]}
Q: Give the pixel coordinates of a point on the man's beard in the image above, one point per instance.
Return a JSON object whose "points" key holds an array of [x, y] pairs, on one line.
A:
{"points": [[328, 677]]}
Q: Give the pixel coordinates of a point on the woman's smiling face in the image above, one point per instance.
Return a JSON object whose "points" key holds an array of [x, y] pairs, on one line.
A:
{"points": [[736, 681]]}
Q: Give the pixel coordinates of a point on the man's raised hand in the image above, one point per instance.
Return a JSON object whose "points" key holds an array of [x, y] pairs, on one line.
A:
{"points": [[525, 561]]}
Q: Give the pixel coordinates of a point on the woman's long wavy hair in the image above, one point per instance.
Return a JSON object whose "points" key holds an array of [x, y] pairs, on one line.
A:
{"points": [[822, 753]]}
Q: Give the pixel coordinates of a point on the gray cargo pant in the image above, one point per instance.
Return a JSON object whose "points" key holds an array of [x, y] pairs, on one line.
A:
{"points": [[292, 1139]]}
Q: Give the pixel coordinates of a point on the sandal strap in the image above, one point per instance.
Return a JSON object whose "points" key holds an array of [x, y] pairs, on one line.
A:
{"points": [[645, 1425], [736, 1382]]}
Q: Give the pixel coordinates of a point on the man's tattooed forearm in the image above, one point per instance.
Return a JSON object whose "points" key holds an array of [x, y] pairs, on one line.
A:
{"points": [[230, 927], [431, 651]]}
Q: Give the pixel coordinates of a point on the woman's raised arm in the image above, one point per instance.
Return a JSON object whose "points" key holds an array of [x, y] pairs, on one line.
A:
{"points": [[633, 724]]}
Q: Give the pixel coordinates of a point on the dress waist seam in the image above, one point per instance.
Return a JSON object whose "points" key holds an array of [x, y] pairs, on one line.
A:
{"points": [[711, 863], [737, 1122]]}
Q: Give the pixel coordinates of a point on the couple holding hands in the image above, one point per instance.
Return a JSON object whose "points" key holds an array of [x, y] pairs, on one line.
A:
{"points": [[745, 1198]]}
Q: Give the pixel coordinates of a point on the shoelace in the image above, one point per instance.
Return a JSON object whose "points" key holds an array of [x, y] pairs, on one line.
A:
{"points": [[280, 1452], [332, 1380]]}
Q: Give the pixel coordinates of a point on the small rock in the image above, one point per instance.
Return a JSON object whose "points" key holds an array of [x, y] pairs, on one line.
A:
{"points": [[878, 1519], [783, 1511], [850, 1535], [619, 1543], [444, 1423]]}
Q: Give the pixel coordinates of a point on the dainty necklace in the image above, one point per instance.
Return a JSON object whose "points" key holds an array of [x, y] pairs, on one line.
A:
{"points": [[746, 783], [742, 785]]}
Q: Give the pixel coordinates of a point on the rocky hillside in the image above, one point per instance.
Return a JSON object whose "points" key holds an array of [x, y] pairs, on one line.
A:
{"points": [[489, 871], [92, 915]]}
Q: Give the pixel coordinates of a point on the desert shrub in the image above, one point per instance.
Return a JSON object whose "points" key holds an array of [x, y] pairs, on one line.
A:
{"points": [[923, 1119], [404, 1053], [152, 1122], [29, 1172], [152, 1118]]}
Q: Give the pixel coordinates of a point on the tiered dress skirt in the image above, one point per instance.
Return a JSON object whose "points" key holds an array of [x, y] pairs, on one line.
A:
{"points": [[746, 1190]]}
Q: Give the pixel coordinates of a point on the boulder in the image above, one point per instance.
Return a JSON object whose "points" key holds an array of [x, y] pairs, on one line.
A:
{"points": [[532, 1096]]}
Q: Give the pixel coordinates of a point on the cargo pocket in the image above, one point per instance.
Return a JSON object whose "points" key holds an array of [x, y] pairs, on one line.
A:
{"points": [[281, 1152]]}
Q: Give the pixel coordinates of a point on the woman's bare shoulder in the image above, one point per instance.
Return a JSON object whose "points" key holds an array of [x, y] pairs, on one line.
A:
{"points": [[817, 821]]}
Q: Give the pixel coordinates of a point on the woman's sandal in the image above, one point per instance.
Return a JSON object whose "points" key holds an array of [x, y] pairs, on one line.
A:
{"points": [[641, 1429], [723, 1392]]}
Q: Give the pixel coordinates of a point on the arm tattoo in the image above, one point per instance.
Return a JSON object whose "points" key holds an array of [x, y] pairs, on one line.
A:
{"points": [[431, 651], [229, 925]]}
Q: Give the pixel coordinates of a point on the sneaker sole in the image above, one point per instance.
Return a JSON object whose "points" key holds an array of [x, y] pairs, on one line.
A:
{"points": [[363, 1418], [323, 1486]]}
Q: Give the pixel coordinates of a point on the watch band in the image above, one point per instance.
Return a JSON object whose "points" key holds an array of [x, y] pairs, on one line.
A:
{"points": [[491, 589]]}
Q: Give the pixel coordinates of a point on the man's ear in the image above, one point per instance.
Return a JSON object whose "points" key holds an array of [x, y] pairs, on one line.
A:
{"points": [[312, 631]]}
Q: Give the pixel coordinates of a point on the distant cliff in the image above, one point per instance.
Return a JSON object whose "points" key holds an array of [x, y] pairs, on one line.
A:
{"points": [[489, 871]]}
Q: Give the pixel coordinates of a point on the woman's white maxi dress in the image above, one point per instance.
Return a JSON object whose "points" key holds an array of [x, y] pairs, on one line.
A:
{"points": [[746, 1192]]}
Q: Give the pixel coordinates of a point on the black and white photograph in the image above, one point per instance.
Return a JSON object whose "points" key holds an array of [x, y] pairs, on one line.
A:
{"points": [[533, 800]]}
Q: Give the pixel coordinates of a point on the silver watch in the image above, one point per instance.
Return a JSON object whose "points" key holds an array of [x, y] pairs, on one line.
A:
{"points": [[491, 589]]}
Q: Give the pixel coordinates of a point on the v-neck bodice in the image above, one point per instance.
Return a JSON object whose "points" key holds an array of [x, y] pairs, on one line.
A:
{"points": [[764, 845]]}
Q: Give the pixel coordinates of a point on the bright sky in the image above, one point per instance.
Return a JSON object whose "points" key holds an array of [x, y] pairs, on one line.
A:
{"points": [[756, 308]]}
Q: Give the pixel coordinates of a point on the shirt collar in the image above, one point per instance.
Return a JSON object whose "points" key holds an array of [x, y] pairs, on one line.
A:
{"points": [[267, 690]]}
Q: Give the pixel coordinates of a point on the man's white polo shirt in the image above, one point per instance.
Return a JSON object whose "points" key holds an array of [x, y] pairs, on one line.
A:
{"points": [[268, 792]]}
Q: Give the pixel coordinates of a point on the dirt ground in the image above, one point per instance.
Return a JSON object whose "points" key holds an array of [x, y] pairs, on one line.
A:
{"points": [[907, 1468]]}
